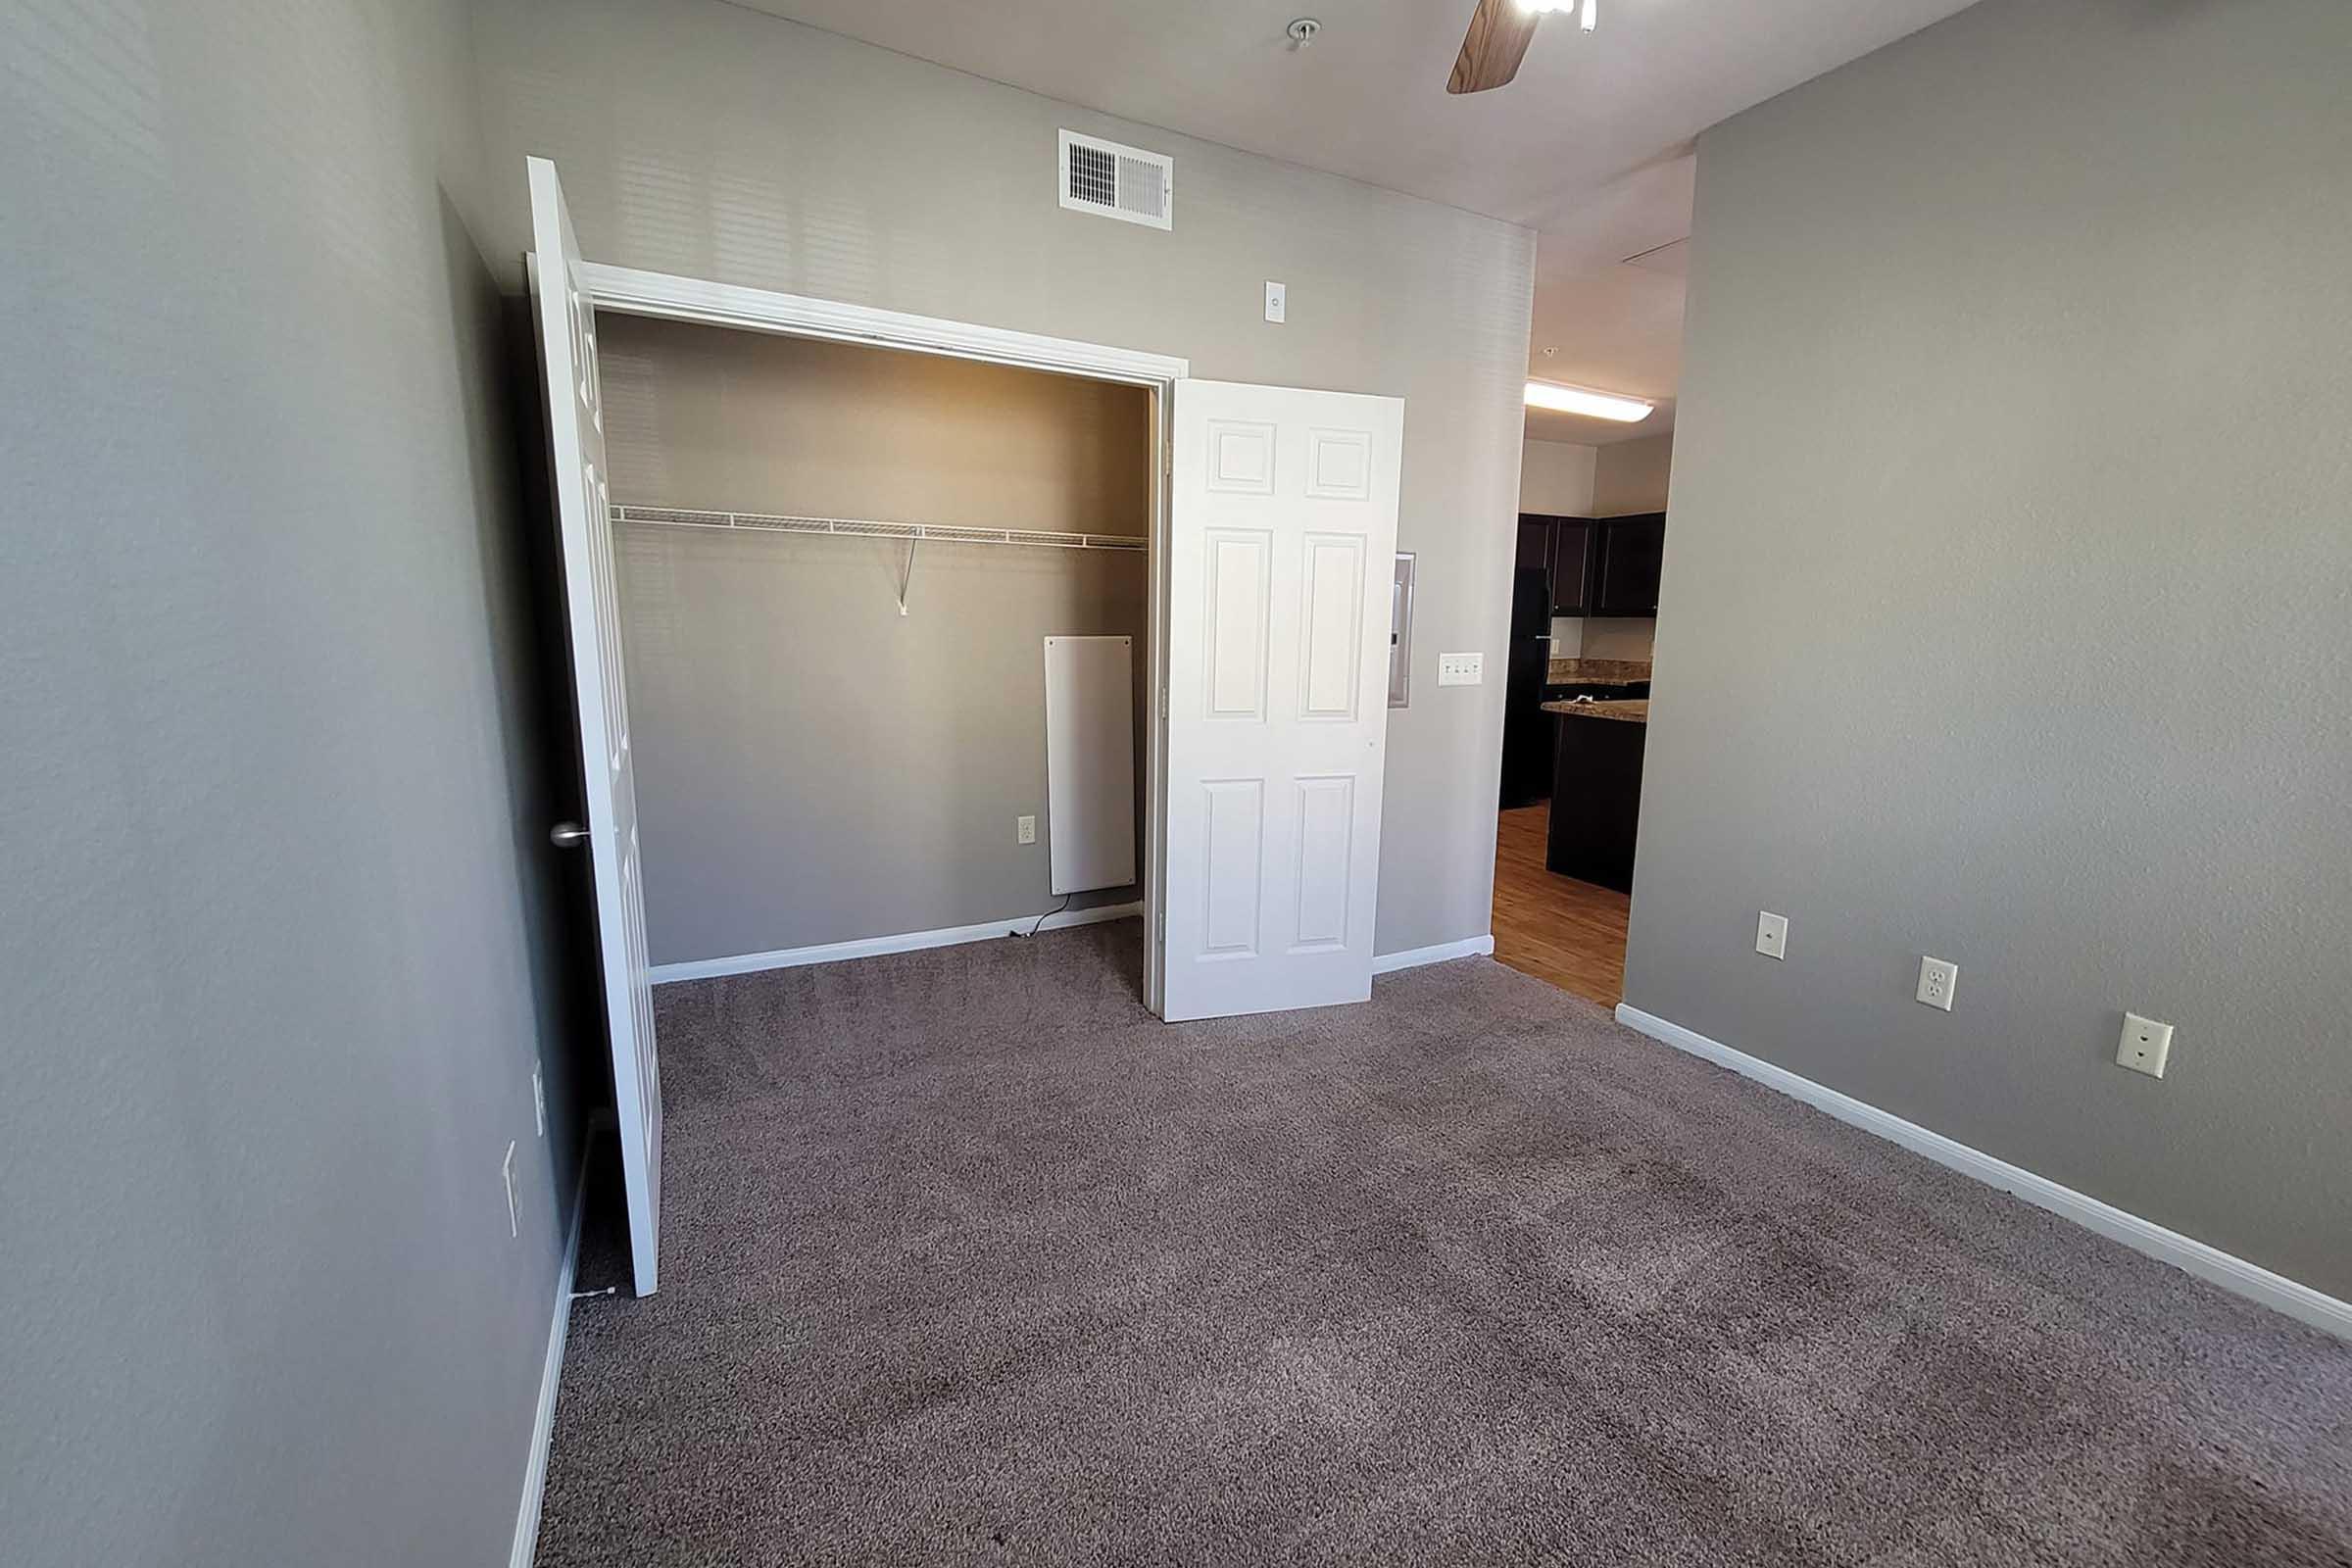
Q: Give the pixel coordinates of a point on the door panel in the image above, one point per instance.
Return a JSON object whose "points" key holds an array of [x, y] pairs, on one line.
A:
{"points": [[1282, 502], [575, 423]]}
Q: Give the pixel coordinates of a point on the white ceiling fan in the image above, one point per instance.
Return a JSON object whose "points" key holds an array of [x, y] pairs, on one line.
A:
{"points": [[1500, 33]]}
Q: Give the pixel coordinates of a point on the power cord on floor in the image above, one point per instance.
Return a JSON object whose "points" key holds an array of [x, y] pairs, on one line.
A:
{"points": [[1042, 919]]}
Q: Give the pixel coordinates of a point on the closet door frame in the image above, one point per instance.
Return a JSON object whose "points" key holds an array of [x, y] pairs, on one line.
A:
{"points": [[631, 291]]}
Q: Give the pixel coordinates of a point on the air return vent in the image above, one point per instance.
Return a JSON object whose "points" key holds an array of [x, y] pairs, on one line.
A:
{"points": [[1115, 181]]}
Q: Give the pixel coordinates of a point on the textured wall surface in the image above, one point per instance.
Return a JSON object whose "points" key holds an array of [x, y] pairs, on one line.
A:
{"points": [[277, 935], [1556, 478], [2008, 601], [701, 138], [812, 767], [1629, 476]]}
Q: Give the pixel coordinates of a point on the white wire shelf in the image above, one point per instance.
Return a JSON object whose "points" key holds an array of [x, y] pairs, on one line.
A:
{"points": [[872, 529]]}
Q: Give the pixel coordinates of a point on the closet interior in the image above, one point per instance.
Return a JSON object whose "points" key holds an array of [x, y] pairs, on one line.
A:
{"points": [[847, 576]]}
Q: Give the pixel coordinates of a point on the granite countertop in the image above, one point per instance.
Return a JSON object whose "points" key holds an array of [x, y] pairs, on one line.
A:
{"points": [[1631, 711], [1597, 672]]}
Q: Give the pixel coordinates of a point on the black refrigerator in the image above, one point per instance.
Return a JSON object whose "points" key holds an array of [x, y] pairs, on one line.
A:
{"points": [[1526, 727]]}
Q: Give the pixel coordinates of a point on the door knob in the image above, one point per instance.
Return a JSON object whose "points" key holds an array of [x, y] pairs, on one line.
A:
{"points": [[567, 835]]}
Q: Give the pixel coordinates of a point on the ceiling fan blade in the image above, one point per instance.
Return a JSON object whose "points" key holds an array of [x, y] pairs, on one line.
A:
{"points": [[1498, 39]]}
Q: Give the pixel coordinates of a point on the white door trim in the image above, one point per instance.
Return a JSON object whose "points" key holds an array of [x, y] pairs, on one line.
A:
{"points": [[635, 292], [760, 310], [2234, 1274]]}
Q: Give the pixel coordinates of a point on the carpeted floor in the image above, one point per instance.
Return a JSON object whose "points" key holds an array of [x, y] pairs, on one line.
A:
{"points": [[969, 1261]]}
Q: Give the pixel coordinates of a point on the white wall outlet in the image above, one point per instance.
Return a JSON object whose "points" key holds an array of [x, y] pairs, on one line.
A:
{"points": [[1024, 830], [1278, 299], [1772, 934], [2144, 1046], [513, 1214], [1938, 980], [538, 1101], [1461, 669]]}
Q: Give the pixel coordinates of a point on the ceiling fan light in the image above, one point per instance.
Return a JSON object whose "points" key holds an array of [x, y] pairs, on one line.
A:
{"points": [[1592, 15], [1581, 399]]}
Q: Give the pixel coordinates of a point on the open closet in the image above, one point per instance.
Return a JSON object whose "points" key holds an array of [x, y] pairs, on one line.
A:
{"points": [[845, 573], [849, 593]]}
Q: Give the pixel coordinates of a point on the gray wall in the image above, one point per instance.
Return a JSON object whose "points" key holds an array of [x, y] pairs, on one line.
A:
{"points": [[275, 937], [702, 138], [2008, 601], [812, 767]]}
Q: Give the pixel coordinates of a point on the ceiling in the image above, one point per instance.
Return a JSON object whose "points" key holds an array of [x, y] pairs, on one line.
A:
{"points": [[1590, 146]]}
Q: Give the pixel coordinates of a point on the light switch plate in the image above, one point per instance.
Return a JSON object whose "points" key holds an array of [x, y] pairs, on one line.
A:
{"points": [[1461, 669], [1772, 934], [2144, 1044], [1277, 298]]}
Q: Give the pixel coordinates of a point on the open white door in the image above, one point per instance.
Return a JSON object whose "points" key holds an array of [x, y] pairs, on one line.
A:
{"points": [[575, 427], [1282, 531]]}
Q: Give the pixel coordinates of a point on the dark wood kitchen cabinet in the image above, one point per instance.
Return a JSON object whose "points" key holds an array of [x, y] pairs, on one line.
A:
{"points": [[1625, 570], [1595, 799], [1535, 542], [1571, 540]]}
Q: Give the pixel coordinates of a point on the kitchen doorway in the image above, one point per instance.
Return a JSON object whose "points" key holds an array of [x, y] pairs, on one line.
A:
{"points": [[1574, 731]]}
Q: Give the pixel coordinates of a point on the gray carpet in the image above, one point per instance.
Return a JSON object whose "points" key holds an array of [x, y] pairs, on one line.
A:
{"points": [[969, 1261]]}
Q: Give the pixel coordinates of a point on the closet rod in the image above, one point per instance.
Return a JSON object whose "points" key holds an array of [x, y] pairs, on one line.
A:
{"points": [[871, 529]]}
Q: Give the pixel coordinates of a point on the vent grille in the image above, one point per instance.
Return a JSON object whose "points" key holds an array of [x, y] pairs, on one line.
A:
{"points": [[1128, 183]]}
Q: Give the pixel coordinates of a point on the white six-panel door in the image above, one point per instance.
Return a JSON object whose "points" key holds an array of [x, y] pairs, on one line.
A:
{"points": [[1281, 539], [566, 322]]}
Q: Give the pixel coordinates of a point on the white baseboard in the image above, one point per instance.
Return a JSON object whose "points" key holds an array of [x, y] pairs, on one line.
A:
{"points": [[551, 1375], [870, 947], [1415, 957], [2235, 1274]]}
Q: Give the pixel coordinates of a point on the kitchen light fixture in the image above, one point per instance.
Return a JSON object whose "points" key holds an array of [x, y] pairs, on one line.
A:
{"points": [[1580, 400], [1590, 19]]}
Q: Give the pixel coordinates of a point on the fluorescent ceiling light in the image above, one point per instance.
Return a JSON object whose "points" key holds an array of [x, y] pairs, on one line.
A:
{"points": [[1576, 399]]}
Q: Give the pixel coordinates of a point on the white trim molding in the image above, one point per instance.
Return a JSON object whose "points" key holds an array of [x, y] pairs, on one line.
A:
{"points": [[635, 292], [904, 942], [551, 1374], [2234, 1274], [1415, 957]]}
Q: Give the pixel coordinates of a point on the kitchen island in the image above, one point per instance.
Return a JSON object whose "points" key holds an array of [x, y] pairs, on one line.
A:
{"points": [[1596, 789]]}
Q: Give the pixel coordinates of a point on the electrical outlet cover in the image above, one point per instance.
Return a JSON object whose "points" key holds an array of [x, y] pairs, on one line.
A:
{"points": [[2144, 1046], [1024, 830], [1938, 980]]}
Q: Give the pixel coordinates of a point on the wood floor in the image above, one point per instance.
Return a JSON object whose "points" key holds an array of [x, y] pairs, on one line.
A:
{"points": [[1553, 927]]}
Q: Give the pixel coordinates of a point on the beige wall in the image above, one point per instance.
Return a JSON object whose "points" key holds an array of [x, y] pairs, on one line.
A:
{"points": [[1555, 477], [703, 417], [2015, 349], [811, 766], [1629, 476], [704, 139]]}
